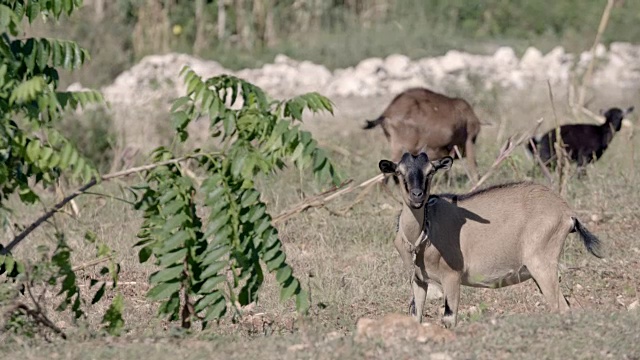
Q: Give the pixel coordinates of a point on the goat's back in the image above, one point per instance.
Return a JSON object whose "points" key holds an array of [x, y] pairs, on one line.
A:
{"points": [[418, 117], [492, 231], [580, 140]]}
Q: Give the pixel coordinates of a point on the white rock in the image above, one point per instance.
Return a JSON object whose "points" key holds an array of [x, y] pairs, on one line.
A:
{"points": [[452, 61], [283, 59], [532, 59], [397, 65], [371, 66], [505, 56]]}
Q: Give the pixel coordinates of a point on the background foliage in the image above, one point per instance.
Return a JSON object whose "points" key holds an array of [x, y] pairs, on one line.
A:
{"points": [[206, 263], [336, 33]]}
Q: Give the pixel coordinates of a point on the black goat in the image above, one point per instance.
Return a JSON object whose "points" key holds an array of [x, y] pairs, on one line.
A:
{"points": [[584, 143]]}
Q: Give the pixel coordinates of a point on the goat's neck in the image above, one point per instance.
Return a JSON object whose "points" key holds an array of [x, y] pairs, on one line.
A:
{"points": [[607, 133], [412, 221]]}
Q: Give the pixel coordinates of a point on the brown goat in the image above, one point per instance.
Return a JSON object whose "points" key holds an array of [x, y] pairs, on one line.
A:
{"points": [[420, 118], [490, 238]]}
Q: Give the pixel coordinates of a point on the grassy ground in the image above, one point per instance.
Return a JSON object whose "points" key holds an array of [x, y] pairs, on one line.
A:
{"points": [[349, 263]]}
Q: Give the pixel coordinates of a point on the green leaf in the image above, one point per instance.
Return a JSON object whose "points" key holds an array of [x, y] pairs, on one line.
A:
{"points": [[277, 261], [144, 254], [215, 254], [180, 120], [288, 290], [213, 269], [113, 316], [211, 284], [180, 102], [175, 221], [175, 241], [99, 294], [173, 257], [302, 301], [217, 308], [9, 262], [167, 274], [163, 290], [284, 273]]}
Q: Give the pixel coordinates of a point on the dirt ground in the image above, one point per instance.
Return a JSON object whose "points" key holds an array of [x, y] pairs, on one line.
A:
{"points": [[352, 269]]}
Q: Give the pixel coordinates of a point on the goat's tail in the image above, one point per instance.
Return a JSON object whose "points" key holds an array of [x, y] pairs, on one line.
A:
{"points": [[373, 123], [591, 242]]}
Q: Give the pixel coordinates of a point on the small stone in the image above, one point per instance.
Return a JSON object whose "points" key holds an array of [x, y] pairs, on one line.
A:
{"points": [[634, 305], [440, 356], [297, 347], [394, 328]]}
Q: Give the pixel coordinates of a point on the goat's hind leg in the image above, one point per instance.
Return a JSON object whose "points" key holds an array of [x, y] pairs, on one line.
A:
{"points": [[451, 290], [546, 277]]}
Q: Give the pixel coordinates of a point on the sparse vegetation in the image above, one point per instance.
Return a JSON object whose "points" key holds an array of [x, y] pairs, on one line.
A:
{"points": [[332, 33], [344, 261]]}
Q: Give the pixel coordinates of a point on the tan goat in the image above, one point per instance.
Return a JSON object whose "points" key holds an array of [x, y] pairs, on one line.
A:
{"points": [[419, 117], [490, 238]]}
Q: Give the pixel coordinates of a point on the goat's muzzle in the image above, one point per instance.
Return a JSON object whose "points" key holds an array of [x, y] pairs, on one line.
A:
{"points": [[415, 202]]}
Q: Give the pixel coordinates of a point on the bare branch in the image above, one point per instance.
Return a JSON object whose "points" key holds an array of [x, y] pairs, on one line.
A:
{"points": [[91, 263], [506, 150], [320, 200], [81, 190], [466, 170], [543, 167]]}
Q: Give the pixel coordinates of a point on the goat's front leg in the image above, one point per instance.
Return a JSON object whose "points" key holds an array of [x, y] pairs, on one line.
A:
{"points": [[419, 297], [407, 262], [451, 290]]}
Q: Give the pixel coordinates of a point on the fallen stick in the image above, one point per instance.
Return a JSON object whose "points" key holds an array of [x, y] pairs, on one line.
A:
{"points": [[321, 199]]}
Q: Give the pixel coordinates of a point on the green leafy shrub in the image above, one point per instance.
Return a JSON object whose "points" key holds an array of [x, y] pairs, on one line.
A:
{"points": [[208, 264]]}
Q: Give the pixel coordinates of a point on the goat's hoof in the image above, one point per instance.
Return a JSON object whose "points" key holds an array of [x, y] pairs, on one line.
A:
{"points": [[412, 307], [449, 322]]}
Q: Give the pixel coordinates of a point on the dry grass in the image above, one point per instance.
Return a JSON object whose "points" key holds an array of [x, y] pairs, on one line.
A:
{"points": [[353, 270]]}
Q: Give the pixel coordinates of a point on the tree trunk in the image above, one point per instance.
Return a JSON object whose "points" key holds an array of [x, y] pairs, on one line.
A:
{"points": [[269, 29], [242, 25], [99, 10], [201, 21], [222, 20]]}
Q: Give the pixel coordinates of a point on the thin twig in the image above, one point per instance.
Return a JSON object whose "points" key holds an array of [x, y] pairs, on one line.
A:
{"points": [[558, 146], [81, 190], [320, 200], [543, 167], [464, 166], [505, 151], [359, 198], [40, 318], [587, 76], [91, 263]]}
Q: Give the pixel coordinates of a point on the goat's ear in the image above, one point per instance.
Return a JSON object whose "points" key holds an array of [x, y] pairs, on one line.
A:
{"points": [[629, 110], [443, 164], [387, 167]]}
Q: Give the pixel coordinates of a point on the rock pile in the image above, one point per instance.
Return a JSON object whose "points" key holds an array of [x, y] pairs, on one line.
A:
{"points": [[155, 75], [141, 93]]}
